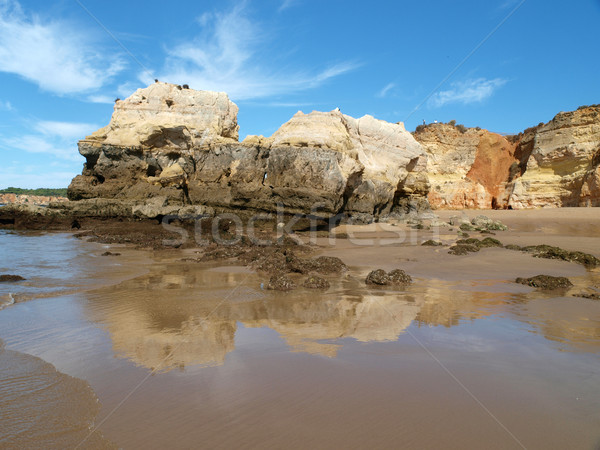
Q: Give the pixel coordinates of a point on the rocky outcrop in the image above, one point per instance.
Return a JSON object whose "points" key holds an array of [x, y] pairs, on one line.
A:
{"points": [[466, 168], [551, 165], [562, 165], [179, 147], [166, 115]]}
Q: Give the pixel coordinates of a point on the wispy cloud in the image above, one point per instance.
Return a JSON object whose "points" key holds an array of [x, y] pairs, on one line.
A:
{"points": [[285, 4], [53, 138], [41, 144], [6, 106], [386, 90], [467, 92], [45, 53], [101, 99], [507, 4], [225, 57], [65, 130]]}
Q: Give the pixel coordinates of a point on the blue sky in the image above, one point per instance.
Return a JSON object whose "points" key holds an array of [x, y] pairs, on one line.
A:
{"points": [[503, 65]]}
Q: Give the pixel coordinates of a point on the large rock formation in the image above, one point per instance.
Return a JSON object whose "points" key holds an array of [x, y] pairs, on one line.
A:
{"points": [[167, 147], [560, 162], [550, 165], [466, 168], [166, 115]]}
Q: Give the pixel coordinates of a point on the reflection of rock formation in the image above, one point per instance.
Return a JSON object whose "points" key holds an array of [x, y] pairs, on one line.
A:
{"points": [[157, 320], [364, 317], [182, 315], [446, 307], [571, 321]]}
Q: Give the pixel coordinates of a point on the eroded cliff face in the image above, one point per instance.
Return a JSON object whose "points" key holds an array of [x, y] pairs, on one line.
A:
{"points": [[562, 168], [168, 146], [551, 165], [466, 168]]}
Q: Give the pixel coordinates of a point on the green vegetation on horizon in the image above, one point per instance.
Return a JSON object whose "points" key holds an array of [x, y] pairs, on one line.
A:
{"points": [[47, 192]]}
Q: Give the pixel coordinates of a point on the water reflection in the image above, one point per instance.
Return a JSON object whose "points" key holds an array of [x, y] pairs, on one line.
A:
{"points": [[182, 314]]}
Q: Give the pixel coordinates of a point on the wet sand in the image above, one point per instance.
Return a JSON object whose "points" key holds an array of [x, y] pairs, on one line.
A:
{"points": [[183, 354]]}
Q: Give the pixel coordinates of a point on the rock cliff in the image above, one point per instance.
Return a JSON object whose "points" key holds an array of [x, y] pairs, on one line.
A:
{"points": [[466, 168], [560, 162], [551, 165], [167, 147]]}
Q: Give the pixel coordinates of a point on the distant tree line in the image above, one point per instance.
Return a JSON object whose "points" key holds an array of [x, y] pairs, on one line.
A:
{"points": [[46, 192]]}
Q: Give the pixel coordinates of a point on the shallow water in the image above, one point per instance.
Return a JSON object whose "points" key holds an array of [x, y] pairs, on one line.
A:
{"points": [[187, 355]]}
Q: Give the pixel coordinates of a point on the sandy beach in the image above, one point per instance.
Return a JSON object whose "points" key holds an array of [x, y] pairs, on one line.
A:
{"points": [[183, 353]]}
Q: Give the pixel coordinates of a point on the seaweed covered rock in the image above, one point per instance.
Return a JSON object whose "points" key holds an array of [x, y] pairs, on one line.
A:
{"points": [[546, 282], [432, 243], [315, 282], [463, 249], [281, 283], [483, 243], [551, 252], [588, 295], [10, 278], [394, 278]]}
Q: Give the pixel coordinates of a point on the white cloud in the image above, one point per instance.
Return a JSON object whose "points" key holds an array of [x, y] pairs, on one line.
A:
{"points": [[41, 144], [285, 4], [101, 99], [65, 130], [58, 139], [6, 106], [386, 90], [470, 91], [54, 55], [225, 57]]}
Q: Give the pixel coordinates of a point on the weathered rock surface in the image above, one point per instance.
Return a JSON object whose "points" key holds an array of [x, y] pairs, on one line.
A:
{"points": [[166, 115], [551, 165], [466, 167], [181, 145], [563, 164]]}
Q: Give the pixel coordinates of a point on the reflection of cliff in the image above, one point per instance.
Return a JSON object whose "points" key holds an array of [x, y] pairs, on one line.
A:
{"points": [[365, 317], [571, 321], [158, 320], [446, 307]]}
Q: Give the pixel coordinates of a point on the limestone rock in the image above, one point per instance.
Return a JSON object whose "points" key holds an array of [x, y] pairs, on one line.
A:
{"points": [[165, 115], [466, 168], [181, 145], [563, 166]]}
